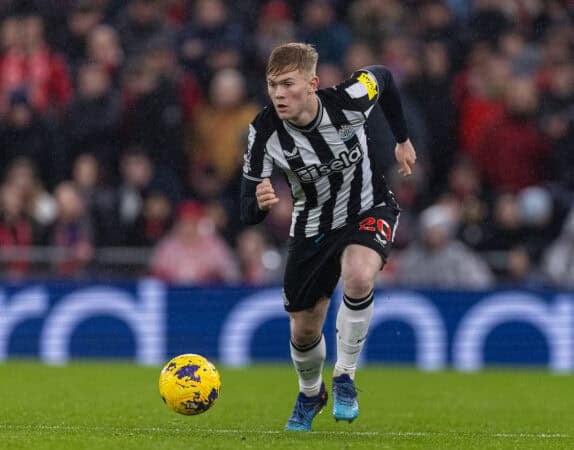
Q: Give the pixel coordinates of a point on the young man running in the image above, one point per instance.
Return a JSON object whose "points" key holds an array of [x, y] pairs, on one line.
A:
{"points": [[344, 215]]}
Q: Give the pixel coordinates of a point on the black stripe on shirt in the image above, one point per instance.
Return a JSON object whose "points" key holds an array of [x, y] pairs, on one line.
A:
{"points": [[339, 119], [325, 155], [295, 162]]}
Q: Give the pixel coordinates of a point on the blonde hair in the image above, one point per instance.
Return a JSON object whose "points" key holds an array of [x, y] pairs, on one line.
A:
{"points": [[293, 56]]}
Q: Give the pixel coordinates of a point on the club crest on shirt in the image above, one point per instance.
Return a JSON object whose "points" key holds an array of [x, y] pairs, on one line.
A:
{"points": [[346, 132]]}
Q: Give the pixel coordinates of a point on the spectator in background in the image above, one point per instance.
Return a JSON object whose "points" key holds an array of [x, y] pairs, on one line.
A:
{"points": [[524, 58], [72, 232], [374, 20], [29, 63], [84, 17], [436, 22], [438, 259], [211, 36], [99, 108], [153, 223], [152, 116], [139, 177], [522, 271], [321, 28], [488, 20], [176, 12], [180, 256], [99, 199], [503, 229], [24, 134], [17, 231], [478, 95], [161, 57], [430, 90], [558, 262], [513, 153], [466, 192], [103, 47], [358, 54], [540, 219], [38, 202], [218, 138], [557, 121], [139, 23]]}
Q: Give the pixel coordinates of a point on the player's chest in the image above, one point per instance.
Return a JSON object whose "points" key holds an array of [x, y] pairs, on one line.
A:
{"points": [[322, 152]]}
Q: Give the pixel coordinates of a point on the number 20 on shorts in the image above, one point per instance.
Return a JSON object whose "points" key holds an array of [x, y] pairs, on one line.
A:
{"points": [[380, 225]]}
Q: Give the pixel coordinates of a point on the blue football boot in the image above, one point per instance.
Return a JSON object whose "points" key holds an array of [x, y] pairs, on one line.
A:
{"points": [[345, 405], [305, 410]]}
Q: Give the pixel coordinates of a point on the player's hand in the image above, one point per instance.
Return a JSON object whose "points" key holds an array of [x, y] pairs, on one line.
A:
{"points": [[265, 195], [406, 157]]}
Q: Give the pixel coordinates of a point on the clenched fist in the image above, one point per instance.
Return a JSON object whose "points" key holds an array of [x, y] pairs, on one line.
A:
{"points": [[265, 195]]}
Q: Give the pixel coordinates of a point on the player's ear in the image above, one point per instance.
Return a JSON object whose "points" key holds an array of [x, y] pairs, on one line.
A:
{"points": [[313, 84]]}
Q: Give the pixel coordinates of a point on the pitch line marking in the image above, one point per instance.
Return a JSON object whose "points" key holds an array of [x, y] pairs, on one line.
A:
{"points": [[9, 427]]}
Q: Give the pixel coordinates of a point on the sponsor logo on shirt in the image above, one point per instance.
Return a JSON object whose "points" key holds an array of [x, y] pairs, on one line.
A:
{"points": [[291, 154], [346, 159]]}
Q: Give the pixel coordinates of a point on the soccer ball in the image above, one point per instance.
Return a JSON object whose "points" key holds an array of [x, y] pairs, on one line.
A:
{"points": [[189, 384]]}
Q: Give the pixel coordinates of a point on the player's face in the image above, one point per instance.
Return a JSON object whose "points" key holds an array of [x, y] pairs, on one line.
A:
{"points": [[293, 95]]}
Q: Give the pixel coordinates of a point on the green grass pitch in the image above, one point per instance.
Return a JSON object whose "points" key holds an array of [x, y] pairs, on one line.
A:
{"points": [[117, 406]]}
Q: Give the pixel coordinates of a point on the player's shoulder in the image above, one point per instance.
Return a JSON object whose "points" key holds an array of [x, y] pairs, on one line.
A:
{"points": [[266, 120], [361, 82]]}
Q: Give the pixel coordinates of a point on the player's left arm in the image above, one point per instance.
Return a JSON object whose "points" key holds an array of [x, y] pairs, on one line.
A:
{"points": [[389, 99]]}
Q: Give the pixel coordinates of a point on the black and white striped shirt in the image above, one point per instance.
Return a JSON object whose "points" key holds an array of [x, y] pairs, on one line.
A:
{"points": [[330, 166]]}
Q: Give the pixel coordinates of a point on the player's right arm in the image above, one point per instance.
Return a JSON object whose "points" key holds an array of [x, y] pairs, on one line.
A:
{"points": [[257, 194], [256, 200]]}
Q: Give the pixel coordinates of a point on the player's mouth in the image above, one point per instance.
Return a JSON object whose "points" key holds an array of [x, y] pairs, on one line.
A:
{"points": [[281, 107]]}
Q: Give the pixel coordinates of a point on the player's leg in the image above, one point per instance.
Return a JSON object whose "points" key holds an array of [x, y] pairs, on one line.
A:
{"points": [[308, 352], [366, 248], [360, 266], [311, 275], [307, 344]]}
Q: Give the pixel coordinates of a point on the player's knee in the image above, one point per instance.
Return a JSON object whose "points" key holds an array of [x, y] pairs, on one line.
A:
{"points": [[358, 282], [304, 335]]}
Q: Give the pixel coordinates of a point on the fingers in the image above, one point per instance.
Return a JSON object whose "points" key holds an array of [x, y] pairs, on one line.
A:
{"points": [[406, 164], [405, 169], [406, 157], [265, 194]]}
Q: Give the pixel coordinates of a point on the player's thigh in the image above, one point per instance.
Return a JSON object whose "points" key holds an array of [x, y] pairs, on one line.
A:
{"points": [[368, 242], [311, 273]]}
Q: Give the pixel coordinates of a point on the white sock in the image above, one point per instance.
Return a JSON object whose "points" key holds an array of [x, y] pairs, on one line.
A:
{"points": [[353, 321], [308, 362]]}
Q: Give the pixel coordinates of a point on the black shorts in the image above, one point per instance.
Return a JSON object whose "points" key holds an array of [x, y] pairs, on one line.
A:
{"points": [[314, 264]]}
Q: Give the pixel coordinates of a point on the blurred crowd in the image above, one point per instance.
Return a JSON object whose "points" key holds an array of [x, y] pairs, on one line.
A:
{"points": [[123, 125]]}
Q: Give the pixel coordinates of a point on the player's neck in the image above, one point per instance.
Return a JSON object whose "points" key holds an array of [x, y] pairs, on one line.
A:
{"points": [[308, 115]]}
